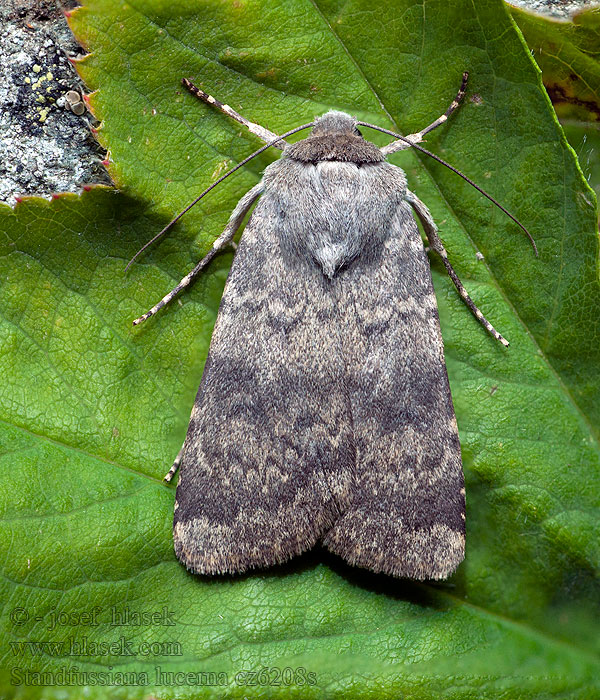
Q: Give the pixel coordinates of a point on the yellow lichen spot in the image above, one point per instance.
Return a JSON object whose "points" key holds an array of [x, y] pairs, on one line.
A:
{"points": [[219, 169], [36, 68], [271, 73], [49, 76], [40, 98], [43, 114], [27, 80], [36, 85]]}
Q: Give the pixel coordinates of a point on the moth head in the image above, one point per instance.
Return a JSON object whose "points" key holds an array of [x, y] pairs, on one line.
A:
{"points": [[334, 136], [335, 123]]}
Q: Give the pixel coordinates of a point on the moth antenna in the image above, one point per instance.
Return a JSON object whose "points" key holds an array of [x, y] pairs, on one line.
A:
{"points": [[214, 184], [455, 170]]}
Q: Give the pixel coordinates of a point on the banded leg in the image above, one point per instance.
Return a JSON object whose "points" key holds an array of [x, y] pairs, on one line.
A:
{"points": [[256, 129], [173, 470], [418, 137], [235, 220], [436, 244]]}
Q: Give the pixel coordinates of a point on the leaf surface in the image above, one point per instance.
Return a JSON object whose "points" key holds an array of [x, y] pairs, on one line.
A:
{"points": [[92, 411]]}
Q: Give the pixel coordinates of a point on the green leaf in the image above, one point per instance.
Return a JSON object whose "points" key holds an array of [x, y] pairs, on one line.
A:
{"points": [[585, 139], [93, 411], [568, 54]]}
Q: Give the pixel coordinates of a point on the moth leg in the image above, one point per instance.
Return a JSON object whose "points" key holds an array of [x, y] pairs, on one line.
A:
{"points": [[173, 470], [235, 220], [418, 137], [436, 244], [256, 129]]}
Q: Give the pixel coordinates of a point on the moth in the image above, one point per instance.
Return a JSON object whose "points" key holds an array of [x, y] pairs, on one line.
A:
{"points": [[324, 414]]}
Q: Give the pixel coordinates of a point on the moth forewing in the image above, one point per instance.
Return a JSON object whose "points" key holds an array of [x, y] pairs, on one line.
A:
{"points": [[324, 411]]}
